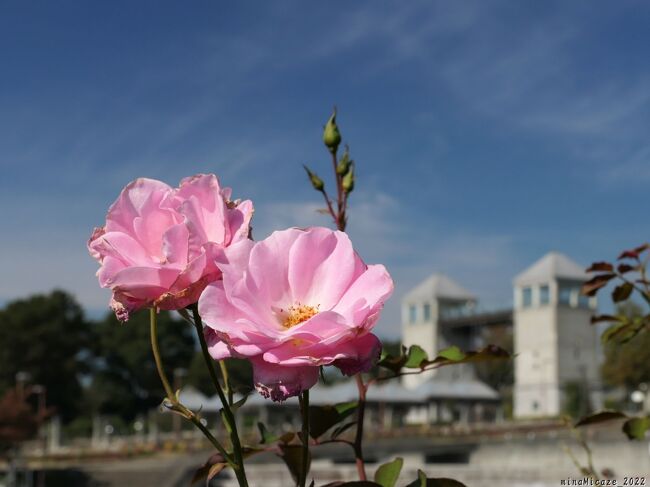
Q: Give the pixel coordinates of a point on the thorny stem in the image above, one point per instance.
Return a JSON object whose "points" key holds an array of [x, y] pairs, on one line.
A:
{"points": [[175, 404], [227, 415], [304, 409]]}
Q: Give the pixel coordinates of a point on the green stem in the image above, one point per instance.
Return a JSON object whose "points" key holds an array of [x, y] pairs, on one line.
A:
{"points": [[226, 383], [228, 416], [176, 406], [153, 322], [304, 406]]}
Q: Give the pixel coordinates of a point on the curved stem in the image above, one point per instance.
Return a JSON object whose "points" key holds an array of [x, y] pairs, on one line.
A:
{"points": [[153, 328], [358, 439], [304, 407], [227, 415], [176, 406]]}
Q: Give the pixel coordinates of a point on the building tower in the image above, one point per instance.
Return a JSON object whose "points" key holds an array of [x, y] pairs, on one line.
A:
{"points": [[434, 299], [555, 343]]}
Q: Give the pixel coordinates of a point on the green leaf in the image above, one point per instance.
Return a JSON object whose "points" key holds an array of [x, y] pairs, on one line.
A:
{"points": [[292, 456], [416, 357], [452, 353], [622, 292], [636, 428], [388, 473], [621, 332], [600, 417], [392, 362], [322, 418]]}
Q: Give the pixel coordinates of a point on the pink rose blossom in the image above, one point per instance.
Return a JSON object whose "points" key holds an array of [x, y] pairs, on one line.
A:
{"points": [[293, 302], [159, 243]]}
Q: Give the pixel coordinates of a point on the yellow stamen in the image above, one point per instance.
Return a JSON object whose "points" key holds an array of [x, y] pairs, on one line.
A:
{"points": [[297, 314]]}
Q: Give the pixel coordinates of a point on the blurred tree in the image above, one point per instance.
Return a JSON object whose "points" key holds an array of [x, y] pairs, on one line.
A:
{"points": [[628, 364], [46, 337], [18, 420], [125, 382]]}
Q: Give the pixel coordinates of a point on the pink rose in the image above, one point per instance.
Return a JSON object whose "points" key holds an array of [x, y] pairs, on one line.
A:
{"points": [[159, 243], [293, 302]]}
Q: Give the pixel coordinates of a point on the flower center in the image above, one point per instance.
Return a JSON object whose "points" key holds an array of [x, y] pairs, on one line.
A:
{"points": [[297, 314]]}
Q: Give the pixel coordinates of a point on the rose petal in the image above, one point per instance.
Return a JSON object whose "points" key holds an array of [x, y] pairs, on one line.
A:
{"points": [[279, 383]]}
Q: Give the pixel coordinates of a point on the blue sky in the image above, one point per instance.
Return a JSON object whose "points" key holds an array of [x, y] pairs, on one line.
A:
{"points": [[485, 133]]}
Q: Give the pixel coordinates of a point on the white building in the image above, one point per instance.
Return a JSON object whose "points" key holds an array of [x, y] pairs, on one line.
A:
{"points": [[433, 300], [555, 343]]}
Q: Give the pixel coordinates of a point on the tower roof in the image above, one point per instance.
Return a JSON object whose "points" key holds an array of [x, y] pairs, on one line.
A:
{"points": [[438, 286], [552, 266]]}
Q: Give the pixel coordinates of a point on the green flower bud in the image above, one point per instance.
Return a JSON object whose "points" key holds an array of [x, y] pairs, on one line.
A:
{"points": [[348, 181], [316, 182], [344, 163], [331, 134]]}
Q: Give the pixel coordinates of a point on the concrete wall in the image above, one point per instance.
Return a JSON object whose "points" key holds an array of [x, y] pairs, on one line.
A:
{"points": [[578, 351], [536, 392]]}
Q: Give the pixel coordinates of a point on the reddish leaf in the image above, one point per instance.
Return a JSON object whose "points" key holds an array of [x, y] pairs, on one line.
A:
{"points": [[601, 318], [623, 268], [215, 469], [629, 254], [216, 462], [591, 287], [601, 267], [600, 417], [642, 248]]}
